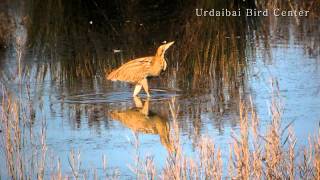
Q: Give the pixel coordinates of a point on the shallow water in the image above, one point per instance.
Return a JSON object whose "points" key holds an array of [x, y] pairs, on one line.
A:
{"points": [[65, 85]]}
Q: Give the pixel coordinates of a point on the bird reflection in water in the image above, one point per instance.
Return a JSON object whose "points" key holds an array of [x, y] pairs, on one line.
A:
{"points": [[140, 119]]}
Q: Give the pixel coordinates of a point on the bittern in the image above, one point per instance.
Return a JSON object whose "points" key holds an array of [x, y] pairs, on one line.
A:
{"points": [[140, 119], [136, 71]]}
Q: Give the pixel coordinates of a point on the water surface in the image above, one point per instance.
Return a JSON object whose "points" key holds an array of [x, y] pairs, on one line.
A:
{"points": [[61, 77]]}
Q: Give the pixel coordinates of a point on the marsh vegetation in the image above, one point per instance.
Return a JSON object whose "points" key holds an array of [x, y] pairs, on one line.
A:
{"points": [[239, 98]]}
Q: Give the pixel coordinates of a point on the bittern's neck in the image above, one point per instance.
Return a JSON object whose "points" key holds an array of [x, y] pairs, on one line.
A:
{"points": [[160, 52], [160, 55]]}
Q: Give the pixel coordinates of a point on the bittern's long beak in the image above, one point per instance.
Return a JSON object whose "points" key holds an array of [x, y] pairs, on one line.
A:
{"points": [[168, 45]]}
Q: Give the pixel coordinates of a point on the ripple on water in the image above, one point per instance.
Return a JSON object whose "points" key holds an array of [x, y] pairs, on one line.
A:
{"points": [[117, 96]]}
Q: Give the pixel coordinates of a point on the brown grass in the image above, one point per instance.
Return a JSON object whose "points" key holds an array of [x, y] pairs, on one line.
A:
{"points": [[252, 155], [7, 27]]}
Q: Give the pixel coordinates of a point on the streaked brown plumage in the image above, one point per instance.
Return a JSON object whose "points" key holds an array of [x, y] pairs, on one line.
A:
{"points": [[136, 71], [140, 119]]}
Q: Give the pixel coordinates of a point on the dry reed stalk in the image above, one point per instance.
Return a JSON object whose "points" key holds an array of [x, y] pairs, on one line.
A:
{"points": [[12, 141], [231, 165], [240, 146], [290, 156], [192, 171], [41, 168], [273, 154], [256, 154], [143, 169], [55, 171], [316, 157], [210, 159], [75, 163], [175, 165], [136, 168], [305, 167], [24, 160], [59, 173], [209, 165], [104, 164], [150, 170]]}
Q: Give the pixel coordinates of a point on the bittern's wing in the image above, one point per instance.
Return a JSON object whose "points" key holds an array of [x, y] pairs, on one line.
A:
{"points": [[132, 71]]}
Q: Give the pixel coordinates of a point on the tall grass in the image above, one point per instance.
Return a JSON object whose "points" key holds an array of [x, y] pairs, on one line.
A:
{"points": [[253, 154], [204, 60], [218, 55]]}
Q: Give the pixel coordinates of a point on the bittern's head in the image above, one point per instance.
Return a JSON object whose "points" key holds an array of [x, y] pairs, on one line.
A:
{"points": [[161, 51]]}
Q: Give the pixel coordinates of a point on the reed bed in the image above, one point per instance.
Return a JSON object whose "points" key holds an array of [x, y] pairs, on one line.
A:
{"points": [[252, 154], [6, 27]]}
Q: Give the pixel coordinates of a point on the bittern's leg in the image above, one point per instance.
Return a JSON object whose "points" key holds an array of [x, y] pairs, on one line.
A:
{"points": [[137, 102], [145, 86], [137, 89]]}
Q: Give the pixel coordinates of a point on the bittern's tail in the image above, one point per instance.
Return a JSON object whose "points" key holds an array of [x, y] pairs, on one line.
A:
{"points": [[121, 75], [112, 76]]}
